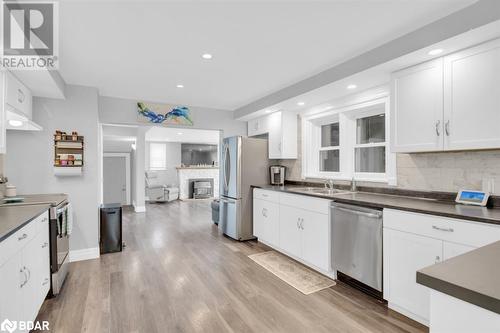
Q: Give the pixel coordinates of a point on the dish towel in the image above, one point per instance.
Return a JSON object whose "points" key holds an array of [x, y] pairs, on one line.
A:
{"points": [[69, 219]]}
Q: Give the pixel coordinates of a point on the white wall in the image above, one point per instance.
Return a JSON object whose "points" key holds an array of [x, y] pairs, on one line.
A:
{"points": [[168, 176], [124, 111], [29, 158]]}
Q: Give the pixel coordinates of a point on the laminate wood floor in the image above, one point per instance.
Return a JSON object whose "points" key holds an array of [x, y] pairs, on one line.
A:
{"points": [[179, 274]]}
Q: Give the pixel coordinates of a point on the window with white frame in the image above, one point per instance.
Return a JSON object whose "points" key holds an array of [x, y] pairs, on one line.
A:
{"points": [[348, 143], [157, 156]]}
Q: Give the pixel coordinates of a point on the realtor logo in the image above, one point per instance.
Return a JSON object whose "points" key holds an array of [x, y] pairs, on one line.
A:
{"points": [[30, 35], [8, 326]]}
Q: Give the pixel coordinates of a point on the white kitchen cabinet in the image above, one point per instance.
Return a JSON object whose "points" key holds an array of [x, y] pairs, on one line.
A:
{"points": [[18, 97], [451, 250], [289, 230], [472, 98], [25, 274], [281, 128], [266, 221], [413, 241], [404, 255], [417, 108], [447, 104], [315, 239], [294, 224]]}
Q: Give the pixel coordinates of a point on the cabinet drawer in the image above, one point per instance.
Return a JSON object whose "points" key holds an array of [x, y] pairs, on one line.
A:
{"points": [[15, 242], [41, 222], [267, 195], [317, 205], [474, 234]]}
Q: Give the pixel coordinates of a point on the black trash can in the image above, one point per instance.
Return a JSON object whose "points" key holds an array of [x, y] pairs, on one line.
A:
{"points": [[215, 211], [111, 228]]}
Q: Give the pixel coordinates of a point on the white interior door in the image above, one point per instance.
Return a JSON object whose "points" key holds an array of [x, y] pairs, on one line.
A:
{"points": [[115, 179]]}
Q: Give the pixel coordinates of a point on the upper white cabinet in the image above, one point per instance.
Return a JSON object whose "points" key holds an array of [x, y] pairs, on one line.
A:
{"points": [[417, 108], [281, 128], [472, 98], [450, 103], [18, 98]]}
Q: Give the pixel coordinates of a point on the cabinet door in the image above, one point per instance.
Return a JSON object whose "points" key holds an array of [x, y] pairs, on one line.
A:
{"points": [[289, 230], [315, 239], [472, 98], [17, 96], [12, 280], [451, 250], [417, 108], [404, 255], [266, 221], [275, 135]]}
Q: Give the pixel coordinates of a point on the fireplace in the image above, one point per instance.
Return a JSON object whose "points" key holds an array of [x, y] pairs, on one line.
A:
{"points": [[201, 188]]}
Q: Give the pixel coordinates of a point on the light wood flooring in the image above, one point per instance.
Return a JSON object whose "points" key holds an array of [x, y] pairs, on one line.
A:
{"points": [[179, 274]]}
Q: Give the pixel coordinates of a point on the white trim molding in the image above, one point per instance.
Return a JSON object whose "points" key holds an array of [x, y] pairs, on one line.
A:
{"points": [[139, 209], [127, 172], [84, 254]]}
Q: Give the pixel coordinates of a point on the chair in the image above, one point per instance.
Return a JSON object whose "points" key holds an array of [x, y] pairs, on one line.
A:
{"points": [[158, 192]]}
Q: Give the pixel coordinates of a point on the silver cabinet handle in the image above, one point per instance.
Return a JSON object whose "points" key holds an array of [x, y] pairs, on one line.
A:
{"points": [[29, 274], [20, 238], [264, 195], [45, 281], [447, 127], [442, 229], [20, 96], [302, 223], [264, 212], [23, 270], [279, 147], [438, 123], [44, 245], [438, 259], [298, 223]]}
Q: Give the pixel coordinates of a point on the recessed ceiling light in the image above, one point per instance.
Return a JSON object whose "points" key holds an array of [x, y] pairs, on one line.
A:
{"points": [[301, 103], [15, 123], [435, 51], [179, 133], [268, 111], [352, 86], [133, 146], [180, 86], [206, 56]]}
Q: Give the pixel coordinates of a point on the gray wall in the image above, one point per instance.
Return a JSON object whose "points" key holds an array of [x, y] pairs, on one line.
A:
{"points": [[124, 111], [29, 158], [168, 176]]}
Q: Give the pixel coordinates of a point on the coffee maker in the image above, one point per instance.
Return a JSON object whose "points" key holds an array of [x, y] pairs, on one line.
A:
{"points": [[277, 173]]}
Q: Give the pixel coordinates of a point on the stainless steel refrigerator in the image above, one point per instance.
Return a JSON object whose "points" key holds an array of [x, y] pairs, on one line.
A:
{"points": [[244, 162]]}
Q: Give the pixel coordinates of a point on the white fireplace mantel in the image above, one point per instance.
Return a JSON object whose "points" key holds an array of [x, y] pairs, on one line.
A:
{"points": [[187, 173]]}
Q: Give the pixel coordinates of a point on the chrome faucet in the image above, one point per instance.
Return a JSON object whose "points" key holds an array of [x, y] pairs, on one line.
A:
{"points": [[329, 184]]}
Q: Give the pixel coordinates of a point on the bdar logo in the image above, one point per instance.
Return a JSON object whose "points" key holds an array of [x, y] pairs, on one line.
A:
{"points": [[8, 326]]}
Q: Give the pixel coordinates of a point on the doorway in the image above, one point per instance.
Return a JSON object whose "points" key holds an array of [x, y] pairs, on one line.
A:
{"points": [[116, 178]]}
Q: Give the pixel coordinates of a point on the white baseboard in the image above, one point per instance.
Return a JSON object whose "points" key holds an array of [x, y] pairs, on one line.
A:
{"points": [[139, 209], [84, 254]]}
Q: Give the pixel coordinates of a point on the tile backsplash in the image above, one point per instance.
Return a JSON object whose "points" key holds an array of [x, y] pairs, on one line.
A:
{"points": [[443, 171]]}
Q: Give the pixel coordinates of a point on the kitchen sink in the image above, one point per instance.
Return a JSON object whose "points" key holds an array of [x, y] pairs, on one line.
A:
{"points": [[317, 190]]}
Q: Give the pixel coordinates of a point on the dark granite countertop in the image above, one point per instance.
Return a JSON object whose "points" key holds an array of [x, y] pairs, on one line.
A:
{"points": [[13, 218], [406, 203], [472, 277]]}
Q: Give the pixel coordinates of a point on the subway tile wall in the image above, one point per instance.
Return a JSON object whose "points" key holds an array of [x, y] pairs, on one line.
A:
{"points": [[444, 171]]}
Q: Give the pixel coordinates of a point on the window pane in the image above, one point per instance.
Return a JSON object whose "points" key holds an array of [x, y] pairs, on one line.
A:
{"points": [[371, 129], [329, 160], [330, 135], [370, 159], [157, 156]]}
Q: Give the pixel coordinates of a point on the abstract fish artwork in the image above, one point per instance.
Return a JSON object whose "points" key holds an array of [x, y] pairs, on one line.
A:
{"points": [[164, 114]]}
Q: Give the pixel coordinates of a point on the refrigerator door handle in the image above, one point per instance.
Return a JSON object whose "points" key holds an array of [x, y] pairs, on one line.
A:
{"points": [[227, 201], [227, 166]]}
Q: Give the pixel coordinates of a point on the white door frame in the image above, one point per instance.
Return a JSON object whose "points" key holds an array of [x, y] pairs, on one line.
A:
{"points": [[127, 171]]}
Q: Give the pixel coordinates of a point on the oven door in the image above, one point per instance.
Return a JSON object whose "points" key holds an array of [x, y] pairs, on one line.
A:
{"points": [[59, 242]]}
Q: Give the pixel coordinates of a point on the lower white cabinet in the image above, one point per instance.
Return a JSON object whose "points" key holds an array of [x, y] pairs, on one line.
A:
{"points": [[294, 224], [25, 274], [413, 241], [266, 221]]}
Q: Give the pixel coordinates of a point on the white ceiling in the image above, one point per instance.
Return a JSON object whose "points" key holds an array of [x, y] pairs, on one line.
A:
{"points": [[142, 50], [184, 135]]}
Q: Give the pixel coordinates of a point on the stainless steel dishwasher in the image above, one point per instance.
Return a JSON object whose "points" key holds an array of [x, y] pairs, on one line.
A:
{"points": [[357, 246]]}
